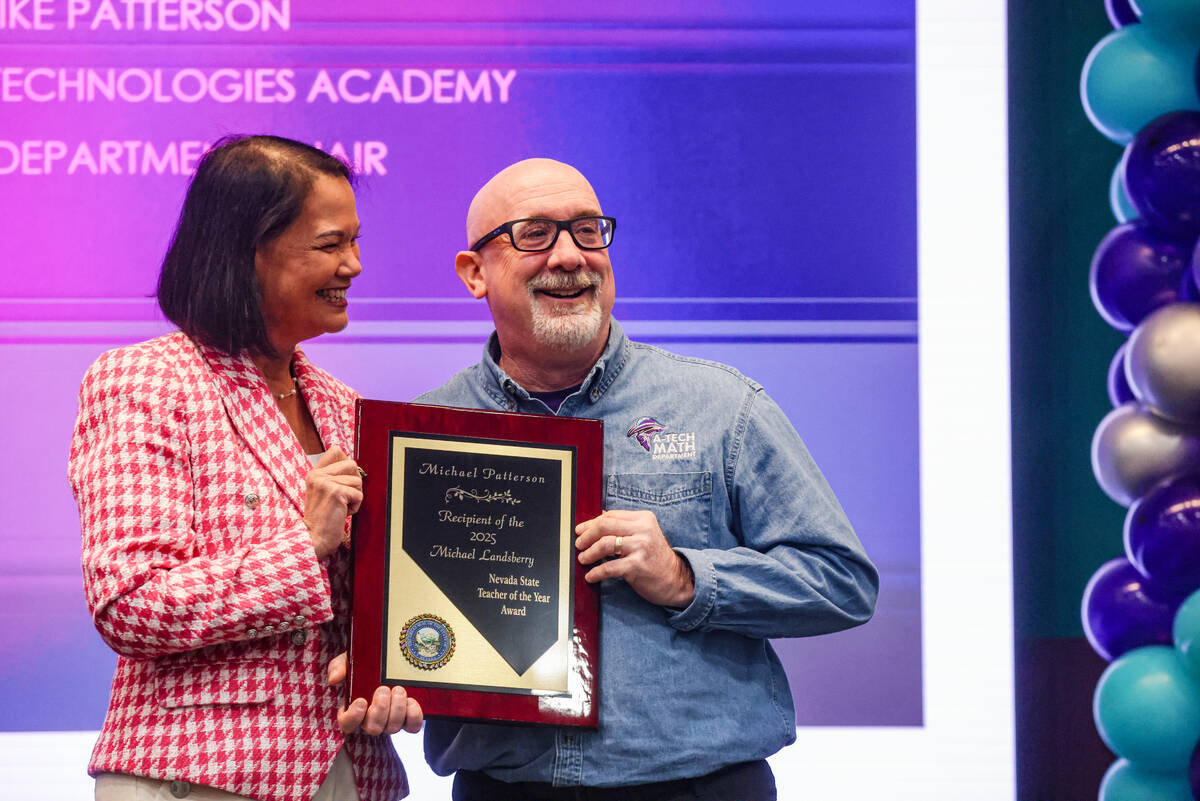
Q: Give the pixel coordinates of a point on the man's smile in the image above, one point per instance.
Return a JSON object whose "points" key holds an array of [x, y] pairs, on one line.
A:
{"points": [[563, 293]]}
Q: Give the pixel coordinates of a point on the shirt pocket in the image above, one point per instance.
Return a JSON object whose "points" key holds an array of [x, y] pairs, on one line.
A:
{"points": [[682, 503], [243, 682]]}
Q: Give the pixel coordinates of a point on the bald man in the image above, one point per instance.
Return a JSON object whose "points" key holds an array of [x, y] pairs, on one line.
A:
{"points": [[719, 530]]}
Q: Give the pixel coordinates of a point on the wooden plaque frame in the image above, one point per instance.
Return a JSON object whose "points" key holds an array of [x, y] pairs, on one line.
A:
{"points": [[457, 671]]}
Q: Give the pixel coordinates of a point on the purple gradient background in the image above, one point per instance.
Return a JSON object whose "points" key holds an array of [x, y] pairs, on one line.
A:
{"points": [[760, 157]]}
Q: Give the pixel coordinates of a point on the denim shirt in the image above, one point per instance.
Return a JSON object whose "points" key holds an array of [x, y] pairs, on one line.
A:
{"points": [[683, 692]]}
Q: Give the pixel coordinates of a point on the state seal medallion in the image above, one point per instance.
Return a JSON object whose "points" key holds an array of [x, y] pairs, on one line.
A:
{"points": [[427, 641]]}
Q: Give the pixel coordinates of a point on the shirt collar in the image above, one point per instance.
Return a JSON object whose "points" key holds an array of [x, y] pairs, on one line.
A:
{"points": [[602, 374]]}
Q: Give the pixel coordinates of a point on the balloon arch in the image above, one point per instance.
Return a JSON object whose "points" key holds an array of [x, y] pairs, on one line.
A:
{"points": [[1141, 612]]}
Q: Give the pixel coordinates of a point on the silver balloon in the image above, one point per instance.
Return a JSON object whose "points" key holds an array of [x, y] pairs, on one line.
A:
{"points": [[1162, 362], [1133, 450]]}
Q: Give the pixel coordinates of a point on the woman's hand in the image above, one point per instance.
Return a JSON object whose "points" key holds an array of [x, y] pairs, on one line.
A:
{"points": [[333, 490], [390, 709]]}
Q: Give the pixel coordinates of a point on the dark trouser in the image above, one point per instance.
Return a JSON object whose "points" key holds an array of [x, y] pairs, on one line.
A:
{"points": [[747, 781]]}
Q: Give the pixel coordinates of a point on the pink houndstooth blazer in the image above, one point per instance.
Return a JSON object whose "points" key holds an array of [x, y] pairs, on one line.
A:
{"points": [[200, 574]]}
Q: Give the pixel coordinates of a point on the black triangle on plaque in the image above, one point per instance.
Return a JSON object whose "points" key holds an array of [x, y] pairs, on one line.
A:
{"points": [[485, 529]]}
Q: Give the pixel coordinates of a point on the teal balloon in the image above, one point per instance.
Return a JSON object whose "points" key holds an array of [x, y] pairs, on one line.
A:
{"points": [[1132, 76], [1170, 19], [1124, 781], [1187, 633], [1118, 197], [1147, 709]]}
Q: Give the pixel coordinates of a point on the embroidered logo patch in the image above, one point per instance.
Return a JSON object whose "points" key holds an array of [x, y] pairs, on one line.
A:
{"points": [[427, 641], [660, 443], [644, 429]]}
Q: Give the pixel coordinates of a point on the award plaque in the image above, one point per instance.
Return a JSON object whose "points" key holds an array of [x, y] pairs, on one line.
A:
{"points": [[467, 589]]}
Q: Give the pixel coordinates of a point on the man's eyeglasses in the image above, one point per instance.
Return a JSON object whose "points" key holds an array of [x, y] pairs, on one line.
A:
{"points": [[534, 234]]}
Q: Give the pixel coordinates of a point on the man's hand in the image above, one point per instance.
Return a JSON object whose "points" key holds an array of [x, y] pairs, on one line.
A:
{"points": [[332, 490], [644, 558], [390, 710]]}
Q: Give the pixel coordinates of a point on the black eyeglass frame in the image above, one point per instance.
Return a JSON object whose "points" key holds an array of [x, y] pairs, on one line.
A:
{"points": [[560, 226]]}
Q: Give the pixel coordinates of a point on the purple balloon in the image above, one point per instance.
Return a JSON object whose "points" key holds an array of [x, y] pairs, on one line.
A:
{"points": [[1193, 277], [1119, 390], [1194, 772], [1120, 13], [1122, 610], [1162, 173], [1162, 535], [1136, 270], [1188, 292]]}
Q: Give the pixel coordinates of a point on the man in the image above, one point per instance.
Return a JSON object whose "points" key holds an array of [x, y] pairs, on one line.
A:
{"points": [[719, 532]]}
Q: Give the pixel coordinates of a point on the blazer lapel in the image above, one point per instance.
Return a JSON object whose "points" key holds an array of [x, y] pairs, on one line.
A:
{"points": [[327, 407], [257, 419], [324, 404]]}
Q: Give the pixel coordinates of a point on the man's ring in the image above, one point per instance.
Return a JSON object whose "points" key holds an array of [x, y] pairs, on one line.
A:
{"points": [[361, 473], [617, 547]]}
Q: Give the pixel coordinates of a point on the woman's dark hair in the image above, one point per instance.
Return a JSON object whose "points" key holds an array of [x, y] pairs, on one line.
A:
{"points": [[246, 191]]}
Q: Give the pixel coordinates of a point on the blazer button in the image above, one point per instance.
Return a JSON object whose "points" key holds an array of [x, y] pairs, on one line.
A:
{"points": [[251, 500], [180, 789], [299, 636]]}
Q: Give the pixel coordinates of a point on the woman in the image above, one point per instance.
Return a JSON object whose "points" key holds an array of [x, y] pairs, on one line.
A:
{"points": [[213, 486]]}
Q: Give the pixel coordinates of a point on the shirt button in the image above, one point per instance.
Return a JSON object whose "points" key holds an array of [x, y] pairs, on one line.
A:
{"points": [[252, 632], [511, 405], [595, 395], [251, 500], [299, 636], [180, 789]]}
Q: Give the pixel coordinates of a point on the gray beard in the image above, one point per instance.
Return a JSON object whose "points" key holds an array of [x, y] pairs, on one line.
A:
{"points": [[567, 330], [570, 331]]}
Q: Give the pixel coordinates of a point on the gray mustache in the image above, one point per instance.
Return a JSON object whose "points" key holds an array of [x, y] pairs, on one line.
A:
{"points": [[565, 282]]}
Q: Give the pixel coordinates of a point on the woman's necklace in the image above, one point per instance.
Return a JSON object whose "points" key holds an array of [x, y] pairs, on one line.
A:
{"points": [[294, 390]]}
